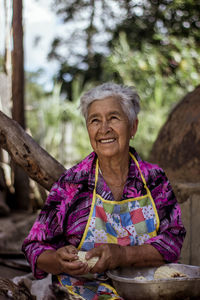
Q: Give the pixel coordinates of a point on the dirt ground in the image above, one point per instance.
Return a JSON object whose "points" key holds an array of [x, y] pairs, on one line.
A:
{"points": [[7, 272], [13, 229]]}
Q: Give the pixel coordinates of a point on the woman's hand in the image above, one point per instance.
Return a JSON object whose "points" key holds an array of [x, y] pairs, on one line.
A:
{"points": [[110, 257], [69, 263], [63, 260]]}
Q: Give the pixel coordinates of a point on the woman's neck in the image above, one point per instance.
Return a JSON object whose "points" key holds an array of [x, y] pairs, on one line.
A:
{"points": [[114, 170]]}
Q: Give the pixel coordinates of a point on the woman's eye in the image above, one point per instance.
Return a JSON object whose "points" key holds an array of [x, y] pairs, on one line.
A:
{"points": [[113, 118], [94, 121]]}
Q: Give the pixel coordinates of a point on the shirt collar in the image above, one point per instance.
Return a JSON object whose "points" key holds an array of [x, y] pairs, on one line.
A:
{"points": [[133, 169], [85, 170]]}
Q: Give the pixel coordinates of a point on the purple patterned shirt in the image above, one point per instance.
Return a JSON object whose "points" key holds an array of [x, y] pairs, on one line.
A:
{"points": [[64, 216]]}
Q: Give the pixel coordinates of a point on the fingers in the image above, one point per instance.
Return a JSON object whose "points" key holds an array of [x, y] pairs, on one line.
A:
{"points": [[109, 257], [75, 268], [69, 262], [68, 253], [101, 264], [94, 252], [71, 249]]}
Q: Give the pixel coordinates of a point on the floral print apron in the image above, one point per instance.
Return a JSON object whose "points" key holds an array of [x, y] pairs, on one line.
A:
{"points": [[127, 222]]}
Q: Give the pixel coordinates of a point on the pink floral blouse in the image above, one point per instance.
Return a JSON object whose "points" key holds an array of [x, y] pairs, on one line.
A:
{"points": [[63, 218]]}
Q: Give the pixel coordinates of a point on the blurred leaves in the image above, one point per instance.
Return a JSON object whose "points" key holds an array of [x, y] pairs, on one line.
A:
{"points": [[91, 27], [162, 76], [153, 45], [57, 126]]}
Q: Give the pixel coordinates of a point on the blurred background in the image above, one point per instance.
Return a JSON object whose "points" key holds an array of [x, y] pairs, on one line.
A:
{"points": [[53, 51], [65, 47]]}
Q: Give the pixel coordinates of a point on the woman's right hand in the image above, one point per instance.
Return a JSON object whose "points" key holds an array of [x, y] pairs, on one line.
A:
{"points": [[63, 260], [67, 258]]}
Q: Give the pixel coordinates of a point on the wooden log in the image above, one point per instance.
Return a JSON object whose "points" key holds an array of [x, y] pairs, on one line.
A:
{"points": [[28, 154]]}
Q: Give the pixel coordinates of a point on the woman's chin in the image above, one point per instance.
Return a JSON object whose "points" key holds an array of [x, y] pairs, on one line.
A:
{"points": [[108, 153]]}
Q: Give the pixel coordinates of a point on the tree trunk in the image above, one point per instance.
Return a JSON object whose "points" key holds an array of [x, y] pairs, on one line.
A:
{"points": [[5, 103], [7, 53], [25, 152], [18, 65], [90, 33], [21, 180]]}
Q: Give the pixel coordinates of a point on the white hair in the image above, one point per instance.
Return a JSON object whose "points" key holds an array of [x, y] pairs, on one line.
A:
{"points": [[127, 95]]}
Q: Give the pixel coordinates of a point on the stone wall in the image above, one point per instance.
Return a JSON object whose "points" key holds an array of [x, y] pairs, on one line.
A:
{"points": [[188, 196]]}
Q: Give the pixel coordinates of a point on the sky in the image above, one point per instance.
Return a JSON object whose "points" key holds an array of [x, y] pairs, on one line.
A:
{"points": [[39, 21]]}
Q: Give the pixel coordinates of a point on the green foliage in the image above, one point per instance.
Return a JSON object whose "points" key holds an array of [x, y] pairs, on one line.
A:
{"points": [[57, 126], [83, 51], [152, 44], [34, 94], [161, 75]]}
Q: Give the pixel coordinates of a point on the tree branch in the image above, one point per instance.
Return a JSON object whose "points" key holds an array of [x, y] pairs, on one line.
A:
{"points": [[36, 162]]}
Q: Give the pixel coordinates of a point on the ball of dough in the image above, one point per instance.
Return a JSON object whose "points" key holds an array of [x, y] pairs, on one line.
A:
{"points": [[167, 272], [91, 262]]}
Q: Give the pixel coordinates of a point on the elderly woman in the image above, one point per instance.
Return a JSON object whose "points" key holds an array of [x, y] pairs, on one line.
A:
{"points": [[112, 204]]}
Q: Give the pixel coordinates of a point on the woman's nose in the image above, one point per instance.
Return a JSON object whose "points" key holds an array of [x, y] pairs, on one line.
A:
{"points": [[105, 127]]}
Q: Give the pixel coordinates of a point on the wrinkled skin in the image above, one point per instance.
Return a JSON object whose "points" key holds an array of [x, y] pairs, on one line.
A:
{"points": [[67, 259], [110, 256]]}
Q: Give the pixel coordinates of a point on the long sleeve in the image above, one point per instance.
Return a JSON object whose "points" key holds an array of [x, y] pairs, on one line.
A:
{"points": [[171, 231], [47, 231], [64, 216]]}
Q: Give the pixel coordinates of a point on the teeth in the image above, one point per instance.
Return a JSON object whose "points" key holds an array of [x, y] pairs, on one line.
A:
{"points": [[107, 141]]}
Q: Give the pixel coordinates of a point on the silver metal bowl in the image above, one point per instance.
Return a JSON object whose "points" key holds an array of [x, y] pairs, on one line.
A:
{"points": [[159, 289]]}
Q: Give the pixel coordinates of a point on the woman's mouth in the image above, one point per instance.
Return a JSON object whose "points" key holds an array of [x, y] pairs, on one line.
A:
{"points": [[106, 141]]}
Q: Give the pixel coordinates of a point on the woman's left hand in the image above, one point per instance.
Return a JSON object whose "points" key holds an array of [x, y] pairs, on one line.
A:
{"points": [[110, 257]]}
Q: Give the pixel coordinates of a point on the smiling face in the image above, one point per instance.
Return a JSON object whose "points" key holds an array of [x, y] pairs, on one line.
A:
{"points": [[109, 128]]}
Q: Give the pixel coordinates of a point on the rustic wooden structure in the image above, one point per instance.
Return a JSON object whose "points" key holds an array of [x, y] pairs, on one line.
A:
{"points": [[37, 163], [177, 151]]}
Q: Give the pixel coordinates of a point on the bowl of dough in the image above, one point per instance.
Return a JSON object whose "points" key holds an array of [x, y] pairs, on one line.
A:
{"points": [[168, 282]]}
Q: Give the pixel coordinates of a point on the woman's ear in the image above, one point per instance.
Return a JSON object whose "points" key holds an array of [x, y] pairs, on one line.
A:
{"points": [[134, 128]]}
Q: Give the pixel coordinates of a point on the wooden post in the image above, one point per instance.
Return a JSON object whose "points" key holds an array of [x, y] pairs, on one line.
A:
{"points": [[21, 180]]}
